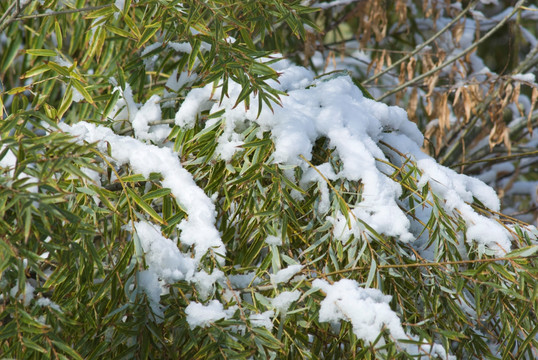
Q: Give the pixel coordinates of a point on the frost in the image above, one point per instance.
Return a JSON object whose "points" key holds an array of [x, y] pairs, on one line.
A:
{"points": [[369, 312], [199, 315], [149, 282], [285, 275], [175, 83], [283, 301], [184, 47]]}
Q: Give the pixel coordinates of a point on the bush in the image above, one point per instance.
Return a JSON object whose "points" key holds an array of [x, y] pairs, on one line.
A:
{"points": [[172, 187]]}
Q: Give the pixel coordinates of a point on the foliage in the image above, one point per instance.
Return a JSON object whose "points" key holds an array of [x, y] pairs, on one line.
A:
{"points": [[72, 263], [455, 67]]}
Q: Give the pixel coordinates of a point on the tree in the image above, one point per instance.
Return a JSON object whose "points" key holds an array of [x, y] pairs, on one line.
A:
{"points": [[171, 186]]}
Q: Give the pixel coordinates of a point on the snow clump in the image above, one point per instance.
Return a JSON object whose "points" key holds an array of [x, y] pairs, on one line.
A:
{"points": [[356, 127]]}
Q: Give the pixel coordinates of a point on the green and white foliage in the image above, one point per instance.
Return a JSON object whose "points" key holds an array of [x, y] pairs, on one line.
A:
{"points": [[171, 187]]}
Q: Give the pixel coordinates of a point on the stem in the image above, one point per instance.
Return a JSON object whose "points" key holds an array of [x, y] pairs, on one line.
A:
{"points": [[454, 58], [54, 13], [18, 9], [497, 159], [440, 263], [423, 45]]}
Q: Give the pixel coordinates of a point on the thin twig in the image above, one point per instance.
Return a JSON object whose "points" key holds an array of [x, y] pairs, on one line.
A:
{"points": [[431, 264], [456, 57], [423, 45], [498, 159], [18, 9], [53, 13], [7, 12]]}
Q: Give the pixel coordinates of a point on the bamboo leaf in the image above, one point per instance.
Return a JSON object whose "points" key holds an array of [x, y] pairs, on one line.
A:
{"points": [[147, 208]]}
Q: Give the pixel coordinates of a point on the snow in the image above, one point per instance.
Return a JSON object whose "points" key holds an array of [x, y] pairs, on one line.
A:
{"points": [[162, 255], [283, 301], [263, 319], [48, 303], [333, 107], [199, 315], [329, 107], [8, 161], [198, 229], [26, 294], [330, 4], [285, 275], [273, 240], [120, 4], [150, 112], [369, 312]]}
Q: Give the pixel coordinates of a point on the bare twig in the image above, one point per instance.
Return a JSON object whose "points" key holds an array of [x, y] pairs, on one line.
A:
{"points": [[498, 159], [4, 21], [423, 45], [15, 17], [432, 264], [456, 57]]}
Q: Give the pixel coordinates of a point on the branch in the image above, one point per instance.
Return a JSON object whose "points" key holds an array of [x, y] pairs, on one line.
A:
{"points": [[454, 58], [426, 43], [15, 16], [18, 9]]}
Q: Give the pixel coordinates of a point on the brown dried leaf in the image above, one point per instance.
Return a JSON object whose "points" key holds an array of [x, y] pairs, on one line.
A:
{"points": [[506, 140], [401, 76], [534, 98], [498, 134], [457, 32], [411, 68], [429, 106], [515, 98], [380, 62], [443, 112], [309, 47], [431, 82], [388, 59], [413, 104], [401, 10], [467, 104]]}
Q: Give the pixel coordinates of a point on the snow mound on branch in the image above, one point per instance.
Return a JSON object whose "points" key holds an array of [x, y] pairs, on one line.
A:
{"points": [[332, 107], [369, 312], [199, 228]]}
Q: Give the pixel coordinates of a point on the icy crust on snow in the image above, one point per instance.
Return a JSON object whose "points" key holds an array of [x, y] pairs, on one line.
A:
{"points": [[369, 312], [199, 228], [334, 108]]}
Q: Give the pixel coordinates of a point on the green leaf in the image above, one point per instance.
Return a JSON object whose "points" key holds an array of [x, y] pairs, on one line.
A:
{"points": [[148, 33], [82, 90], [58, 33], [40, 69], [41, 52], [147, 208], [67, 349]]}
